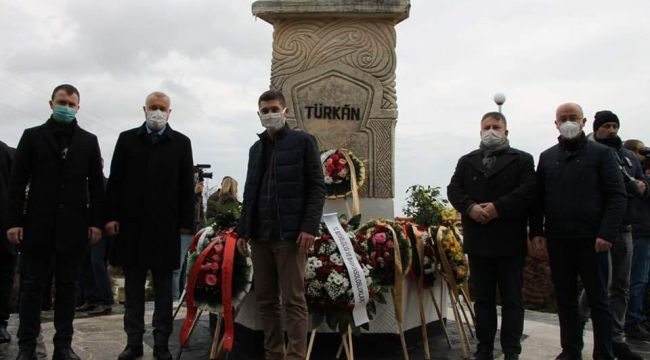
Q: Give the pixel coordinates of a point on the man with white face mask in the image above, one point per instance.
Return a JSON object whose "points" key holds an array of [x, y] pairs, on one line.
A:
{"points": [[150, 204], [580, 207], [283, 203], [493, 188]]}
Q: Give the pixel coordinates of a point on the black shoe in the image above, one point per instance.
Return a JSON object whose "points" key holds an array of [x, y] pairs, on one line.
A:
{"points": [[26, 354], [85, 307], [100, 310], [483, 355], [637, 332], [623, 352], [511, 357], [131, 352], [567, 356], [5, 336], [161, 353], [64, 353]]}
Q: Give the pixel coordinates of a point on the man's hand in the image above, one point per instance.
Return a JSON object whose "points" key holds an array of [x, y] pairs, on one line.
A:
{"points": [[490, 210], [479, 214], [185, 231], [305, 242], [242, 247], [642, 185], [94, 235], [602, 245], [112, 228], [538, 244], [15, 235]]}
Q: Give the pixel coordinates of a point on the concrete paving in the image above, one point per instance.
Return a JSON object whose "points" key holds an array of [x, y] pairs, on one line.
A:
{"points": [[102, 338]]}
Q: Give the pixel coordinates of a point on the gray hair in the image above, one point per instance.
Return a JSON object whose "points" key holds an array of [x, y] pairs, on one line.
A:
{"points": [[157, 94]]}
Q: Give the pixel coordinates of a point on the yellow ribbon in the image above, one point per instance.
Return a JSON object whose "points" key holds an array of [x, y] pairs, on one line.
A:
{"points": [[399, 273], [354, 187]]}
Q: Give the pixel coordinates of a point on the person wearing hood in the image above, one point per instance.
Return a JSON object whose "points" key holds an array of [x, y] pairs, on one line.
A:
{"points": [[61, 218], [493, 188], [150, 203], [283, 203], [606, 126], [578, 214]]}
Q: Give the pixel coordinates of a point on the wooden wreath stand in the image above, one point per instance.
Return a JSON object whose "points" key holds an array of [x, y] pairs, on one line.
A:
{"points": [[459, 306]]}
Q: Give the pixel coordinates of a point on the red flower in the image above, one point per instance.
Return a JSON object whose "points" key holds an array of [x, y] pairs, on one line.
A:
{"points": [[211, 279]]}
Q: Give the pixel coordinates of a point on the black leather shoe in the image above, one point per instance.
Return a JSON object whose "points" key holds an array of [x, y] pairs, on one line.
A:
{"points": [[483, 355], [623, 352], [511, 357], [5, 336], [161, 353], [64, 353], [566, 356], [131, 352], [26, 354]]}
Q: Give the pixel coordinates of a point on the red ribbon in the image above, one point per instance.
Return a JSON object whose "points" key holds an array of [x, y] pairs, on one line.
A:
{"points": [[191, 284], [226, 290]]}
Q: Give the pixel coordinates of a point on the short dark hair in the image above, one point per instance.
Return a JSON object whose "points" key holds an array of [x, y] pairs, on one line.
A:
{"points": [[69, 89], [271, 95], [495, 115]]}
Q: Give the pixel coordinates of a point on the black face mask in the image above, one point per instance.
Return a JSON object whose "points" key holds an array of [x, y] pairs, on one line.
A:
{"points": [[615, 141]]}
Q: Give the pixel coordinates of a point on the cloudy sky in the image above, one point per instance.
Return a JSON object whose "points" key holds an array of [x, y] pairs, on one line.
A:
{"points": [[213, 58]]}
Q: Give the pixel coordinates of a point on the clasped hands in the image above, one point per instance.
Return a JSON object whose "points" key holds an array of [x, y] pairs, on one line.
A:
{"points": [[483, 213]]}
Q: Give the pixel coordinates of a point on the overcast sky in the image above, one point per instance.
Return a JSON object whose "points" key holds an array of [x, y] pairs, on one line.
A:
{"points": [[213, 58]]}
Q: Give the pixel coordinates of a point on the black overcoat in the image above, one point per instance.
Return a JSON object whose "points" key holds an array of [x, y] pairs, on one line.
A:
{"points": [[6, 159], [150, 192], [510, 185], [65, 195]]}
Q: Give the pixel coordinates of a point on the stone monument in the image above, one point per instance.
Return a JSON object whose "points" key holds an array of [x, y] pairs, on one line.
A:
{"points": [[334, 60]]}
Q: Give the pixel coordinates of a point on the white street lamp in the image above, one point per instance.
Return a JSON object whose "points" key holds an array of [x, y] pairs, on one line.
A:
{"points": [[499, 99]]}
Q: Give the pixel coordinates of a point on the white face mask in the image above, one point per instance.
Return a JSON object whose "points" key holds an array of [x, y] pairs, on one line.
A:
{"points": [[492, 138], [570, 129], [273, 121], [156, 119]]}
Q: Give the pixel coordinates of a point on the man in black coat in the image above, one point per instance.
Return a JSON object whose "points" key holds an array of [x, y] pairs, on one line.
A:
{"points": [[580, 206], [149, 204], [493, 188], [62, 165], [283, 204], [7, 252]]}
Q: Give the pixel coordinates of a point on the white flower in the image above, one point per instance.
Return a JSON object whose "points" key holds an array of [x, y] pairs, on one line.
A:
{"points": [[336, 259], [328, 180], [314, 287], [336, 285], [327, 248], [313, 263]]}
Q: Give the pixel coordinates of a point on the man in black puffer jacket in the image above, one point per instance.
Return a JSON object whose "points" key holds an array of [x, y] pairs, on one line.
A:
{"points": [[283, 203], [606, 125], [580, 208]]}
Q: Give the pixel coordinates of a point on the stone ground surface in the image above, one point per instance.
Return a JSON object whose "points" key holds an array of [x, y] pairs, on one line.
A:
{"points": [[102, 338]]}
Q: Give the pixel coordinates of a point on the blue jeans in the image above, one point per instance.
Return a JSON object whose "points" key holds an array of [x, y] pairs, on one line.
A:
{"points": [[638, 281], [186, 241]]}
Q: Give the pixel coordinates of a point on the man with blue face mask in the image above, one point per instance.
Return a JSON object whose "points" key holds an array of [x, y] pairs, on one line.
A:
{"points": [[493, 188], [283, 203], [53, 227], [580, 205]]}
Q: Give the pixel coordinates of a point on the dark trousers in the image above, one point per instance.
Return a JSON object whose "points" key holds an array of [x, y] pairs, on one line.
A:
{"points": [[7, 272], [134, 282], [35, 271], [570, 258], [94, 284], [506, 273]]}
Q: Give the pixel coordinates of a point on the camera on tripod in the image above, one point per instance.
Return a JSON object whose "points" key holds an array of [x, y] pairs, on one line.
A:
{"points": [[203, 174]]}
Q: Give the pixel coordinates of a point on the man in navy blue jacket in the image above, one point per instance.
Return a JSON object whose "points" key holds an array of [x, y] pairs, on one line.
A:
{"points": [[580, 207]]}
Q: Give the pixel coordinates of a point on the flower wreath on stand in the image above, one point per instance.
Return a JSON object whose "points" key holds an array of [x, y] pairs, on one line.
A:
{"points": [[451, 245], [339, 165], [383, 239], [328, 288], [418, 234]]}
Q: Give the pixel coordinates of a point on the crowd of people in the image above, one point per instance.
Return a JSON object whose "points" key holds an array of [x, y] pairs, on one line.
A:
{"points": [[586, 204]]}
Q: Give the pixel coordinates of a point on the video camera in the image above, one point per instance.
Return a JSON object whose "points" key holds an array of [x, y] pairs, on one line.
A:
{"points": [[202, 174]]}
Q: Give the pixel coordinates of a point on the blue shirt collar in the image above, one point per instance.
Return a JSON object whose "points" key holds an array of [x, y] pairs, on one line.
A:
{"points": [[160, 132]]}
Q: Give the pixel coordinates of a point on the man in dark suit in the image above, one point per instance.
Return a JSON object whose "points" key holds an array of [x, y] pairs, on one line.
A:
{"points": [[493, 188], [7, 253], [62, 164], [150, 198], [580, 206]]}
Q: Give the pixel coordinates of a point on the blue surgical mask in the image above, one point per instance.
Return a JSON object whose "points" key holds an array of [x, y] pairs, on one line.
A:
{"points": [[63, 114]]}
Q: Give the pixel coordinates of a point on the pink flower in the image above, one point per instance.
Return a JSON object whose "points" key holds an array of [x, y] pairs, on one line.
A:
{"points": [[216, 258], [379, 238], [389, 244], [211, 279], [218, 248]]}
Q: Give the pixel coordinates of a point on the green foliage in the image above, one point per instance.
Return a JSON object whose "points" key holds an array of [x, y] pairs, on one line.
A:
{"points": [[424, 205]]}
